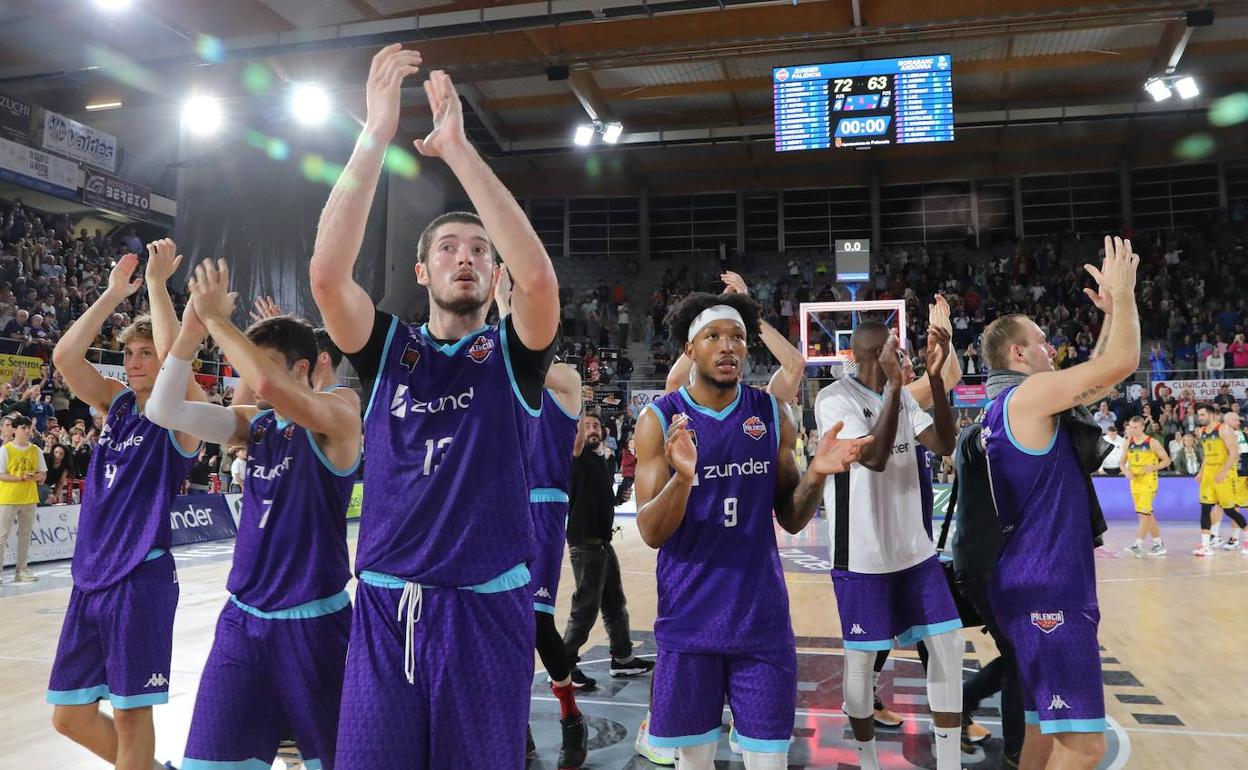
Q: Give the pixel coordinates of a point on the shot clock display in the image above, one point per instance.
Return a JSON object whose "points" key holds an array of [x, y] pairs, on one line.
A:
{"points": [[864, 103]]}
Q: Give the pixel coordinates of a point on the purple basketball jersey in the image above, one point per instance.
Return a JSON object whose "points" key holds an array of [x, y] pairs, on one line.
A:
{"points": [[292, 532], [550, 454], [1042, 503], [721, 586], [136, 471], [446, 494]]}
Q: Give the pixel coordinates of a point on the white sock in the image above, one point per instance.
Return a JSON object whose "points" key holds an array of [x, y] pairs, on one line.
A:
{"points": [[948, 742], [1205, 537], [696, 757], [868, 755], [1139, 543]]}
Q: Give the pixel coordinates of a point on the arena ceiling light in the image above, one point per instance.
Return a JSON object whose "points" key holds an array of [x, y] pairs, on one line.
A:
{"points": [[309, 103], [584, 135], [202, 115], [611, 132], [1187, 88], [1157, 88], [113, 5], [100, 106]]}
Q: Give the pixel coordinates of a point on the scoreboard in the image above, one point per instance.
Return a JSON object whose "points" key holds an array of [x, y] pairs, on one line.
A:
{"points": [[864, 103]]}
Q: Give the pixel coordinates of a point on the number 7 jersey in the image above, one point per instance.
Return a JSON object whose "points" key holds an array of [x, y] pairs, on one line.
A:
{"points": [[721, 584]]}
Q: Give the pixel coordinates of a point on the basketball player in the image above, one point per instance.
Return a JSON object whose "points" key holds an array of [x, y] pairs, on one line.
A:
{"points": [[1218, 473], [723, 626], [1144, 457], [281, 642], [1043, 592], [550, 457], [887, 577], [1235, 423], [444, 547], [786, 379], [328, 356], [117, 637]]}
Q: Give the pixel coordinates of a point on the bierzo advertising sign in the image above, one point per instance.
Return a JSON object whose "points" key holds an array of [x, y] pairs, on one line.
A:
{"points": [[106, 191]]}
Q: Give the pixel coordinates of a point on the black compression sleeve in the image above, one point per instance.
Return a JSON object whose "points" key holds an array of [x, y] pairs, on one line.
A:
{"points": [[367, 360], [529, 366]]}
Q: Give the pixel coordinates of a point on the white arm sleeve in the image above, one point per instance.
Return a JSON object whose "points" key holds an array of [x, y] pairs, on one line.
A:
{"points": [[168, 407]]}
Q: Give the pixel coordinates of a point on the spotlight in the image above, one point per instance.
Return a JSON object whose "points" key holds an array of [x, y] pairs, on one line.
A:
{"points": [[1187, 88], [113, 5], [1157, 88], [611, 132], [309, 103], [202, 115], [584, 135], [97, 106]]}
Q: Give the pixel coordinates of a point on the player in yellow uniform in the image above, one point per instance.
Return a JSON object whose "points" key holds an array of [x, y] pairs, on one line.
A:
{"points": [[1143, 458], [1217, 474]]}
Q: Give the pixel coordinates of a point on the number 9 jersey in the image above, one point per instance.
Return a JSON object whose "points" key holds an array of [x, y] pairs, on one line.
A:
{"points": [[720, 581]]}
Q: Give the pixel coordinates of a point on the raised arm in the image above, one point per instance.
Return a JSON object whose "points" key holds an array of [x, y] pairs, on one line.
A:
{"points": [[345, 306], [169, 407], [679, 373], [788, 378], [69, 356], [162, 263], [661, 494], [334, 415], [951, 373], [565, 382], [265, 307], [884, 432], [942, 436], [1048, 393], [535, 294]]}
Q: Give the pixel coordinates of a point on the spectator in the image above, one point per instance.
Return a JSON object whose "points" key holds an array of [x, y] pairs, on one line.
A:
{"points": [[22, 469], [1159, 361], [1112, 461], [624, 368], [61, 472], [238, 470], [201, 472], [621, 321], [80, 447], [1238, 350], [1106, 419], [628, 471], [971, 365], [1215, 363], [1187, 460]]}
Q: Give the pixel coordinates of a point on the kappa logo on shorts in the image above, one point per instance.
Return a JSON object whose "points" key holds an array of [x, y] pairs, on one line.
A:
{"points": [[1058, 703], [1048, 621], [157, 680], [857, 631], [410, 357], [480, 349], [754, 427], [542, 593]]}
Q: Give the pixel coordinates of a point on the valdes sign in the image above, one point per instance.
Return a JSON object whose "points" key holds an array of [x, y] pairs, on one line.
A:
{"points": [[108, 192], [79, 141]]}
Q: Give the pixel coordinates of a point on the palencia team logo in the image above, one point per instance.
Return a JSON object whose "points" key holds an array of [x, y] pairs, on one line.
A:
{"points": [[257, 435], [411, 357], [1048, 621], [289, 433], [480, 349], [754, 427]]}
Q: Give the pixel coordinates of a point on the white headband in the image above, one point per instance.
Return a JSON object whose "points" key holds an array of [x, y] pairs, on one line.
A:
{"points": [[712, 314]]}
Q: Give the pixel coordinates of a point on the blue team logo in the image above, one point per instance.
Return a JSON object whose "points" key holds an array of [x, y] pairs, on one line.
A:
{"points": [[1048, 621], [411, 356], [754, 427], [480, 349]]}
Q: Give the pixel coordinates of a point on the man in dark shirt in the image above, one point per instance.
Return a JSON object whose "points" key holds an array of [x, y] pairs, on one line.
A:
{"points": [[591, 517], [976, 546]]}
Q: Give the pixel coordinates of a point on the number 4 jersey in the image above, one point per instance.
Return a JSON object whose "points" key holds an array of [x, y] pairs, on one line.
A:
{"points": [[721, 585], [135, 472]]}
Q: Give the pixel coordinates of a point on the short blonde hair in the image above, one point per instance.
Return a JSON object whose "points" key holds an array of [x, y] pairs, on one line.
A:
{"points": [[139, 328]]}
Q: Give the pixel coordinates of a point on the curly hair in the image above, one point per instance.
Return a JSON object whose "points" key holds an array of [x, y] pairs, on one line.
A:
{"points": [[682, 315]]}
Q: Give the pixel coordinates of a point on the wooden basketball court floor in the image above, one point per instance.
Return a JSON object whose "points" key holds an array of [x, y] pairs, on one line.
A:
{"points": [[1173, 632]]}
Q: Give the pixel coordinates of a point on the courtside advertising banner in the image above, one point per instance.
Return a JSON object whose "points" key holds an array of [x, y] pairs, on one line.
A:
{"points": [[200, 518], [53, 536]]}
